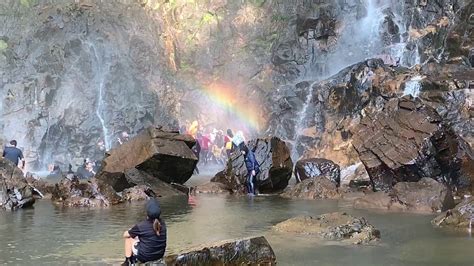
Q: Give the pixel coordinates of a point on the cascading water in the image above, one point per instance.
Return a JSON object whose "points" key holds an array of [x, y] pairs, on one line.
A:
{"points": [[99, 80], [300, 125], [413, 86]]}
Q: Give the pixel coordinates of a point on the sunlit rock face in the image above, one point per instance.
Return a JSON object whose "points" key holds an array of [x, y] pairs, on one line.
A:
{"points": [[74, 75]]}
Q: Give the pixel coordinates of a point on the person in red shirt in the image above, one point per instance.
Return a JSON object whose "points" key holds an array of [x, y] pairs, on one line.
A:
{"points": [[205, 144]]}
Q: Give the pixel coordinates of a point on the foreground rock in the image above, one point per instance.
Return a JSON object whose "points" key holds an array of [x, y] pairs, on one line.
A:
{"points": [[318, 168], [460, 218], [425, 196], [161, 154], [15, 192], [332, 226], [249, 251], [407, 141], [275, 163], [313, 188]]}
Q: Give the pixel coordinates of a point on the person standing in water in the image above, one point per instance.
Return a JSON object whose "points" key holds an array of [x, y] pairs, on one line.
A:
{"points": [[252, 168], [13, 154], [146, 241]]}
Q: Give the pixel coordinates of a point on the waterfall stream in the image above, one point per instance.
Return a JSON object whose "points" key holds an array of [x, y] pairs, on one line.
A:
{"points": [[99, 81]]}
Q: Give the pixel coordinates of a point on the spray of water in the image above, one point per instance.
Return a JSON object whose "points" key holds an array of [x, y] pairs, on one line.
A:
{"points": [[100, 80], [413, 86]]}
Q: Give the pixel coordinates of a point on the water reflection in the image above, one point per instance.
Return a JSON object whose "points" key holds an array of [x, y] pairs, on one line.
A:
{"points": [[48, 234]]}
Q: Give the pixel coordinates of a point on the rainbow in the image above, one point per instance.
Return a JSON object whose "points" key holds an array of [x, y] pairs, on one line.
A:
{"points": [[227, 98]]}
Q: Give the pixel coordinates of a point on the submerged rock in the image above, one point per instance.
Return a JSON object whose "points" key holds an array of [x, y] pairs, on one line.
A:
{"points": [[424, 196], [275, 163], [318, 168], [313, 188], [332, 226], [248, 251], [407, 141], [161, 154], [460, 218], [15, 191], [212, 188]]}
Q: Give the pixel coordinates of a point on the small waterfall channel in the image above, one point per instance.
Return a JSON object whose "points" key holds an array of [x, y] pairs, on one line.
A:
{"points": [[99, 81]]}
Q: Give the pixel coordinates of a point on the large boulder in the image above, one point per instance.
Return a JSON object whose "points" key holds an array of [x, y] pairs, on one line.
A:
{"points": [[79, 193], [332, 226], [460, 218], [313, 188], [162, 154], [249, 251], [273, 156], [424, 196], [317, 168], [407, 141], [211, 188], [15, 191]]}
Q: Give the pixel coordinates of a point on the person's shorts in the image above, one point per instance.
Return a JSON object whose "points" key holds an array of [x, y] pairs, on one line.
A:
{"points": [[135, 246]]}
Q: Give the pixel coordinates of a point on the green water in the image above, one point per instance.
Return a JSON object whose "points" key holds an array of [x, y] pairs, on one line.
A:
{"points": [[49, 234]]}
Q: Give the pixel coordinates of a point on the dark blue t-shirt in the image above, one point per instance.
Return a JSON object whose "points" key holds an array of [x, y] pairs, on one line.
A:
{"points": [[13, 154], [151, 246]]}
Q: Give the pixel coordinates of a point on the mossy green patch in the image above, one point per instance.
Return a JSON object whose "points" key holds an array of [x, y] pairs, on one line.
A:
{"points": [[3, 45]]}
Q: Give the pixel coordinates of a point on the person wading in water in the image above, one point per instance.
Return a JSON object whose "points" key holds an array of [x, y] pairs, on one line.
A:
{"points": [[146, 241], [252, 168]]}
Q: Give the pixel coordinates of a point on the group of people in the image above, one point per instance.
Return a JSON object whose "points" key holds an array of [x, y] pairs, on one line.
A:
{"points": [[212, 145]]}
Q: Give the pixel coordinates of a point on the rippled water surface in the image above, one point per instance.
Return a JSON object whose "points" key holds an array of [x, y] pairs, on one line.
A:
{"points": [[49, 234]]}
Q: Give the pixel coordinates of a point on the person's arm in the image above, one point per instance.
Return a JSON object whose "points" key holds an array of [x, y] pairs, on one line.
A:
{"points": [[132, 232], [22, 160]]}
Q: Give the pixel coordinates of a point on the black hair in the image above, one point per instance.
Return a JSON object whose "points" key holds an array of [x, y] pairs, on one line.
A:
{"points": [[13, 142], [244, 148], [229, 133]]}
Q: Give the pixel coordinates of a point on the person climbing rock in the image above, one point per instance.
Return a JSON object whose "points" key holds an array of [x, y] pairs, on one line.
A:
{"points": [[146, 241], [252, 168], [13, 154]]}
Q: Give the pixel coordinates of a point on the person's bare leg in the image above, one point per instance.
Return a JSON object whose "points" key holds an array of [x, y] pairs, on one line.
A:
{"points": [[128, 246]]}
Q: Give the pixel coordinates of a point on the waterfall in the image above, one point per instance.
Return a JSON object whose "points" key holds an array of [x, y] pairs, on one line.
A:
{"points": [[413, 86], [99, 81], [300, 125]]}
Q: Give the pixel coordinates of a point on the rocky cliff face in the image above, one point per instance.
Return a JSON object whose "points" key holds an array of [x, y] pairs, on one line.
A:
{"points": [[75, 73]]}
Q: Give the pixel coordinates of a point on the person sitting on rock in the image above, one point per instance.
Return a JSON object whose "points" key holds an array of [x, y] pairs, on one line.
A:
{"points": [[13, 154], [252, 168], [146, 241]]}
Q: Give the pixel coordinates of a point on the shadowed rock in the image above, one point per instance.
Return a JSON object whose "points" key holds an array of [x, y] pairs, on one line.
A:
{"points": [[249, 251], [332, 226], [275, 163], [424, 196], [318, 168], [407, 141], [161, 154], [15, 192], [460, 218]]}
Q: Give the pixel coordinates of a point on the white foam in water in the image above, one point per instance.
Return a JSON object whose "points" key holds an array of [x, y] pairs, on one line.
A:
{"points": [[413, 86]]}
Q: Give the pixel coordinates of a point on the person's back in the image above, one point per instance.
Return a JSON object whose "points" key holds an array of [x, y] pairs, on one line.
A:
{"points": [[13, 154], [146, 241], [151, 246]]}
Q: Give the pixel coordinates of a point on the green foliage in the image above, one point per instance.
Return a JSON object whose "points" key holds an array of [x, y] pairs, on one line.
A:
{"points": [[257, 3], [208, 17], [280, 18], [3, 45], [27, 3]]}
